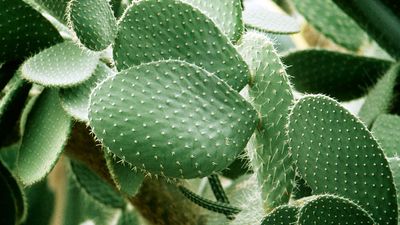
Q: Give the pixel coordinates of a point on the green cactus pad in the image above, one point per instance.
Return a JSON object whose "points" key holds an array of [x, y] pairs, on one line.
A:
{"points": [[128, 218], [226, 14], [386, 130], [62, 65], [333, 23], [282, 215], [126, 180], [259, 17], [380, 97], [339, 75], [23, 30], [11, 107], [380, 19], [333, 210], [336, 154], [175, 30], [75, 100], [271, 95], [394, 163], [46, 132], [12, 198], [93, 22], [38, 196], [95, 187], [171, 118], [56, 8]]}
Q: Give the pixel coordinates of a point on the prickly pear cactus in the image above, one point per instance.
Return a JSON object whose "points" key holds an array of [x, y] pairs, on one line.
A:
{"points": [[207, 122], [182, 112]]}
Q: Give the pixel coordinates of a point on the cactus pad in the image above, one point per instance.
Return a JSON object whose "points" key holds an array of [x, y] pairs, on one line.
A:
{"points": [[271, 95], [380, 19], [23, 30], [259, 17], [75, 100], [333, 210], [95, 187], [394, 163], [386, 129], [153, 30], [93, 22], [333, 23], [226, 14], [336, 154], [339, 75], [380, 97], [12, 198], [46, 131], [282, 215], [126, 180], [171, 118], [58, 8], [62, 65]]}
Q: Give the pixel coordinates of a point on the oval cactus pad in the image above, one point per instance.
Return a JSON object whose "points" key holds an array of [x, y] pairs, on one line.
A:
{"points": [[171, 118]]}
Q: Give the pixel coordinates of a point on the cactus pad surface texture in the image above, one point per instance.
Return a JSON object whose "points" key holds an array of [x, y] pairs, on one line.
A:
{"points": [[191, 125], [335, 153], [191, 37]]}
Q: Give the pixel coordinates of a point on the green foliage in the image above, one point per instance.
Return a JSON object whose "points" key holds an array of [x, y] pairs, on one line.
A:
{"points": [[95, 187], [11, 107], [57, 9], [328, 209], [21, 24], [38, 195], [45, 135], [94, 23], [204, 46], [335, 153], [339, 75], [380, 97], [226, 14], [257, 16], [126, 180], [62, 65], [75, 100], [380, 19], [215, 125], [271, 95], [164, 92], [386, 130], [335, 24], [12, 198], [282, 215]]}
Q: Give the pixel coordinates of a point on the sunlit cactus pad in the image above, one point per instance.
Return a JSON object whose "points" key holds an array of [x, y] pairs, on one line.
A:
{"points": [[171, 118], [154, 30], [335, 153], [61, 65]]}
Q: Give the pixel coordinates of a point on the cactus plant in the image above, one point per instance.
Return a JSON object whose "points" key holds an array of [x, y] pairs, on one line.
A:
{"points": [[182, 112]]}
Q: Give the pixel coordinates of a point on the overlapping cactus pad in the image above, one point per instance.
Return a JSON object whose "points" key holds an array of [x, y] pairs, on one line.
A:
{"points": [[335, 153], [171, 118], [154, 30]]}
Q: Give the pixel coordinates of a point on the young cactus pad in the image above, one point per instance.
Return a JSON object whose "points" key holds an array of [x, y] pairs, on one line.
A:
{"points": [[271, 94], [93, 22], [171, 118], [336, 154], [153, 30], [282, 215], [386, 129], [46, 132], [61, 65]]}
